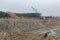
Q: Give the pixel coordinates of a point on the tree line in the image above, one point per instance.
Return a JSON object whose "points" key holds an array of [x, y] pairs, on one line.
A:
{"points": [[4, 14], [29, 14]]}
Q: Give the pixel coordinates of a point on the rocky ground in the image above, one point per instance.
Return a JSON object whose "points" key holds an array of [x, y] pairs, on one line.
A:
{"points": [[19, 29], [25, 36]]}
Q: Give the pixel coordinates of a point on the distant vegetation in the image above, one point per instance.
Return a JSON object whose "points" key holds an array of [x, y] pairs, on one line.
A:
{"points": [[29, 14], [3, 14]]}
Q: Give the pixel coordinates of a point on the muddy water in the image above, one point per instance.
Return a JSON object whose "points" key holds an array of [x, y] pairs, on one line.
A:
{"points": [[53, 31]]}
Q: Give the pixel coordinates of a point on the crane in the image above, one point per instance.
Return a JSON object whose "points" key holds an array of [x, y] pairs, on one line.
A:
{"points": [[34, 9]]}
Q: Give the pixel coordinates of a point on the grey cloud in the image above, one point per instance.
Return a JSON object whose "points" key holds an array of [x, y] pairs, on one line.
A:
{"points": [[46, 7]]}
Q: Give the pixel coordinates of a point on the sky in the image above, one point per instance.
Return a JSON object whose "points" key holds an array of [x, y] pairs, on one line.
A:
{"points": [[45, 7]]}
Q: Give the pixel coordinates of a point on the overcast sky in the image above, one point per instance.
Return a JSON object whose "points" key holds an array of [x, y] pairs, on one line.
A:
{"points": [[46, 7]]}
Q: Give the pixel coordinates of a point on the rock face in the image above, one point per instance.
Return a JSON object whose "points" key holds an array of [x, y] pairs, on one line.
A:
{"points": [[20, 25], [26, 25], [12, 15]]}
